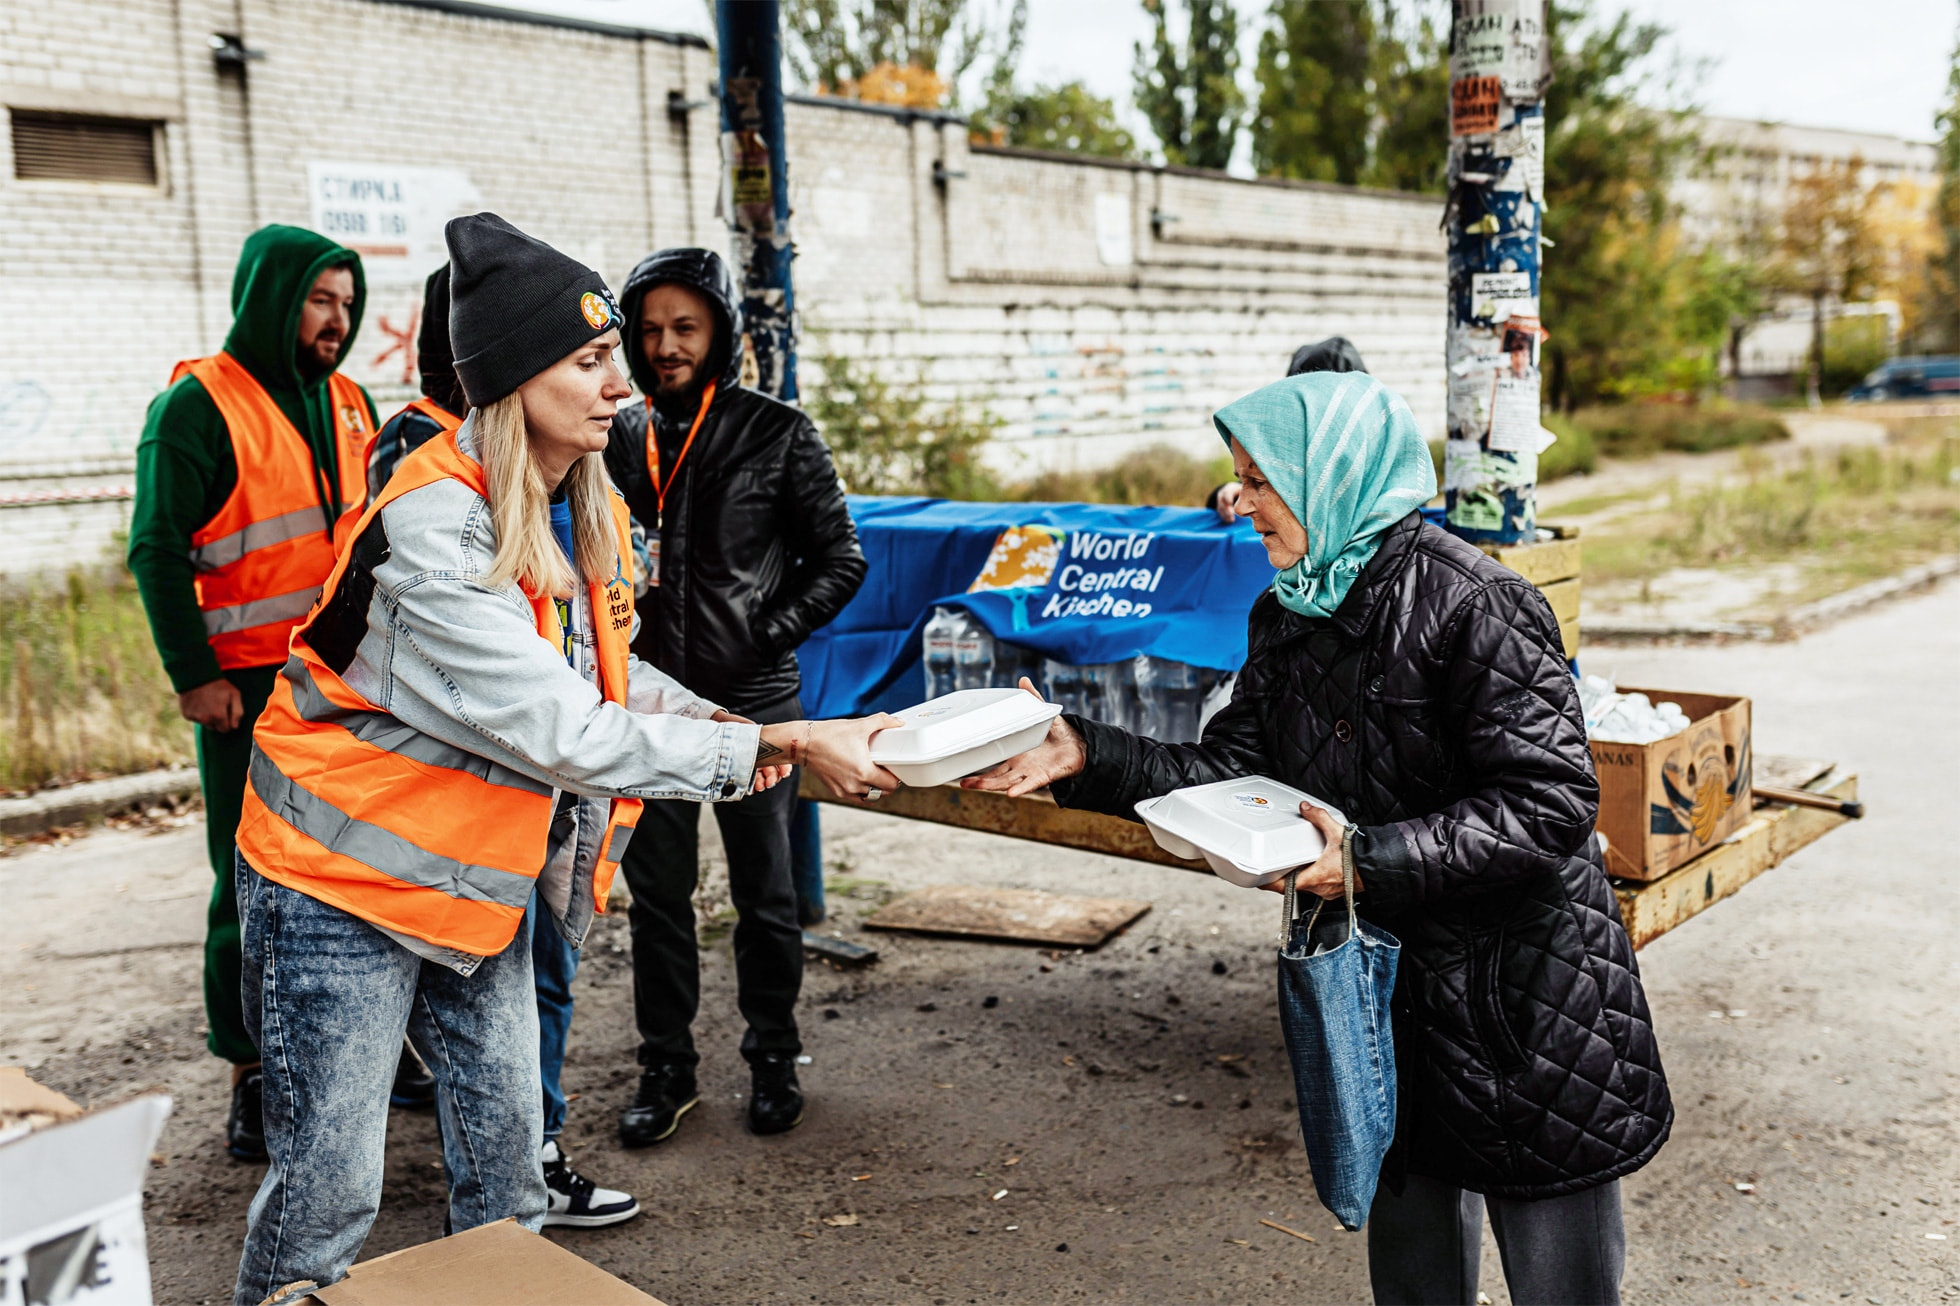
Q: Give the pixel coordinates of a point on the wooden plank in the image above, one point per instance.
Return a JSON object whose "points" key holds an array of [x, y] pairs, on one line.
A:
{"points": [[1781, 772], [1544, 561], [1035, 818], [1772, 835], [1568, 634], [1563, 595], [1022, 915]]}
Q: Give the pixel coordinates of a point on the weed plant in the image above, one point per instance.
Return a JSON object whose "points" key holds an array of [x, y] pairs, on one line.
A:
{"points": [[85, 693]]}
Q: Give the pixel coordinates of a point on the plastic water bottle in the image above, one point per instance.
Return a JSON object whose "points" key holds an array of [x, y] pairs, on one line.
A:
{"points": [[1109, 692], [973, 654], [939, 640], [1169, 697], [1064, 685], [1013, 661]]}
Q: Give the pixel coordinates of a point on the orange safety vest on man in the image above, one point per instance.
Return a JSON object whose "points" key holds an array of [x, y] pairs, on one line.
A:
{"points": [[436, 413], [261, 560], [350, 806]]}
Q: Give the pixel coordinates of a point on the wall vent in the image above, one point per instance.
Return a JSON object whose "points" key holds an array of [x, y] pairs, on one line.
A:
{"points": [[83, 147]]}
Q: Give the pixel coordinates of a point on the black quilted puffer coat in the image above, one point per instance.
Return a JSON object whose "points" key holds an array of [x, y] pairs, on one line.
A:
{"points": [[1435, 709]]}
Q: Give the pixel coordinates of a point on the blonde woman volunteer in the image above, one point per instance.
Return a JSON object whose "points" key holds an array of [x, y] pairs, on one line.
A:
{"points": [[460, 726]]}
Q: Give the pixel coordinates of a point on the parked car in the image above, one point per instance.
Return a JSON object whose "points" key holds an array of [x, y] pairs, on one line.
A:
{"points": [[1909, 378]]}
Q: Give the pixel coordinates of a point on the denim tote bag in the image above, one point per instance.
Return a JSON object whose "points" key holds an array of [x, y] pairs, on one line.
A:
{"points": [[1335, 977]]}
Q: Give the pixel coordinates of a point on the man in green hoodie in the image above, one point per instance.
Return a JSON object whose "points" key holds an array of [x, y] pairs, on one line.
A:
{"points": [[251, 466]]}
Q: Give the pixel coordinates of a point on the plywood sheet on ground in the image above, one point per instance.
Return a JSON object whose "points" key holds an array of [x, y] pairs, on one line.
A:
{"points": [[1022, 915]]}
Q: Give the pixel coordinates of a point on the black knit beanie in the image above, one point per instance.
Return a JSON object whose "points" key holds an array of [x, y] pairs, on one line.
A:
{"points": [[516, 306], [432, 353]]}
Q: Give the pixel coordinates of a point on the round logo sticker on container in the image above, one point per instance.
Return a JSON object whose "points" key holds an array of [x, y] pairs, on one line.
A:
{"points": [[1257, 802], [597, 311]]}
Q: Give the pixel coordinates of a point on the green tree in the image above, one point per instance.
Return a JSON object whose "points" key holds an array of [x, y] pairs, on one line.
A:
{"points": [[1412, 97], [1068, 117], [1616, 280], [1317, 90], [832, 44], [1825, 249], [1940, 292], [1192, 99]]}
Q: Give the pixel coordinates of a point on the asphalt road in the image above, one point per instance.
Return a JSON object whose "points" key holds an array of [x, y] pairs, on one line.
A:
{"points": [[1132, 1103]]}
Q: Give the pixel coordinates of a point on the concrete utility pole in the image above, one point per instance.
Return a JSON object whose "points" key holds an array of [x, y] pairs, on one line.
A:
{"points": [[757, 194], [1499, 67]]}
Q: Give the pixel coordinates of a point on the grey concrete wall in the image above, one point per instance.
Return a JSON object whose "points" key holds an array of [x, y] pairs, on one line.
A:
{"points": [[1093, 307]]}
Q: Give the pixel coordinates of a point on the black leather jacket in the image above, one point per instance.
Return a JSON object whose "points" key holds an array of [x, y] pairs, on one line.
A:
{"points": [[757, 548], [1435, 708]]}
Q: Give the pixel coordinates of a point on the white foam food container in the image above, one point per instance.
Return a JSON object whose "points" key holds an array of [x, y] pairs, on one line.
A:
{"points": [[962, 732], [1249, 830]]}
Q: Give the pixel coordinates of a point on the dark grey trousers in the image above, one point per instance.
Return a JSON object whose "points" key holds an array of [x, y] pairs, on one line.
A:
{"points": [[1424, 1246]]}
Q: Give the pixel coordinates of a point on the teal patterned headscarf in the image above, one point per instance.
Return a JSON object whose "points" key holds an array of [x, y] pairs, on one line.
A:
{"points": [[1343, 452]]}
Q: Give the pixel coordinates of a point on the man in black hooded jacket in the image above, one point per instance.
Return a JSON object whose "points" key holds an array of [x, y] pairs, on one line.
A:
{"points": [[752, 549]]}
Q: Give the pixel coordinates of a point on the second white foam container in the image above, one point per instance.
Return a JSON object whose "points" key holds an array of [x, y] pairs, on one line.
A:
{"points": [[957, 734], [1249, 831]]}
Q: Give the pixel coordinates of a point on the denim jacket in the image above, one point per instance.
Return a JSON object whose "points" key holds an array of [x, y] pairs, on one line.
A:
{"points": [[461, 661]]}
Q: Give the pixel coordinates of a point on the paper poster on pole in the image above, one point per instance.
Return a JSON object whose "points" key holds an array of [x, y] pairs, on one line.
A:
{"points": [[1474, 105], [1499, 295], [1504, 39], [1514, 414]]}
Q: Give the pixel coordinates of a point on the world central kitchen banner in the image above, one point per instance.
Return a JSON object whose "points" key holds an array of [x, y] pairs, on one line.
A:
{"points": [[1079, 583]]}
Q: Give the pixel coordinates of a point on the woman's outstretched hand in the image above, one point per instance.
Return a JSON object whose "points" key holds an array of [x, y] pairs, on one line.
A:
{"points": [[1323, 878], [839, 752], [1057, 757]]}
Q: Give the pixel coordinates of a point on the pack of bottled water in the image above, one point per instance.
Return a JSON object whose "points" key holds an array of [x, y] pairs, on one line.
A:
{"points": [[1163, 699]]}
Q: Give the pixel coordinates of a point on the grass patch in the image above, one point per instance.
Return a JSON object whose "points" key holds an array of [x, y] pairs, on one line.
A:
{"points": [[1642, 430], [85, 694], [1849, 516], [1159, 474], [1592, 503]]}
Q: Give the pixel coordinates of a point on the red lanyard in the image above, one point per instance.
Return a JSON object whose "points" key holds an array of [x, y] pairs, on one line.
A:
{"points": [[653, 450]]}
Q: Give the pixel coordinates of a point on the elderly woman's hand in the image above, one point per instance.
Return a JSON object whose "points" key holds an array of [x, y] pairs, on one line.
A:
{"points": [[1058, 756], [1323, 878]]}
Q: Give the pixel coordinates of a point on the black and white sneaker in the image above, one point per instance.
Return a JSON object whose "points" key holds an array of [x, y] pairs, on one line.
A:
{"points": [[575, 1201]]}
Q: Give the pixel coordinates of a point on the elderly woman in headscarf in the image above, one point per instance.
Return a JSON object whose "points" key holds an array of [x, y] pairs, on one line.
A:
{"points": [[1402, 676]]}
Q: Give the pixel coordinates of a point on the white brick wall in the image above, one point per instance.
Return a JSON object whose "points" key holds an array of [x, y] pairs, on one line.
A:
{"points": [[989, 286]]}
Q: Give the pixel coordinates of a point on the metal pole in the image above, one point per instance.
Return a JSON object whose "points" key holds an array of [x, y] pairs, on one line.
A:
{"points": [[1499, 68], [753, 151]]}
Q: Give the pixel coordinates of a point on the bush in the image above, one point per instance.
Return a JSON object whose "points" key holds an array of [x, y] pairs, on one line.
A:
{"points": [[1853, 347], [1642, 430], [1159, 474], [1576, 453], [85, 692], [889, 439]]}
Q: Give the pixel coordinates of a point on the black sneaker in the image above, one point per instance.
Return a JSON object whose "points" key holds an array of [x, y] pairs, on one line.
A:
{"points": [[415, 1087], [245, 1126], [775, 1100], [575, 1201], [666, 1093]]}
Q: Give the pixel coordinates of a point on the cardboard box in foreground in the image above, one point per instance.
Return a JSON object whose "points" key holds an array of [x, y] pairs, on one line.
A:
{"points": [[71, 1196], [501, 1264], [1665, 803]]}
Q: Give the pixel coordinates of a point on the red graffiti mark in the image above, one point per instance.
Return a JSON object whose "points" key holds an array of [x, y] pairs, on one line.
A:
{"points": [[404, 343]]}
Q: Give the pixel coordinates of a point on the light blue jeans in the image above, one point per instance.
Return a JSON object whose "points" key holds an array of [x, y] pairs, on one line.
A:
{"points": [[331, 997]]}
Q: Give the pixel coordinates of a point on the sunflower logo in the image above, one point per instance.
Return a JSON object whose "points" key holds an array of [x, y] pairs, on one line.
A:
{"points": [[598, 312]]}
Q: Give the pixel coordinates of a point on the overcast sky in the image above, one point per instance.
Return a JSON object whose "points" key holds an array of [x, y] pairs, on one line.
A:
{"points": [[1878, 66]]}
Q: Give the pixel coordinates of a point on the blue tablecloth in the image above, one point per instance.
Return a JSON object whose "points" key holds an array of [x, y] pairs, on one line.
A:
{"points": [[1115, 582]]}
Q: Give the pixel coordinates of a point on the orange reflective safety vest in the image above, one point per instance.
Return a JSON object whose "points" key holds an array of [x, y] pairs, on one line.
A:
{"points": [[260, 561], [350, 806], [436, 413]]}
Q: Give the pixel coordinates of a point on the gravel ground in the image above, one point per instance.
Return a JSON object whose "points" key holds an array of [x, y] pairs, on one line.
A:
{"points": [[1131, 1107]]}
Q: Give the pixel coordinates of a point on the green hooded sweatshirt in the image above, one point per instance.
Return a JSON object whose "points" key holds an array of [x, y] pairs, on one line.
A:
{"points": [[185, 468]]}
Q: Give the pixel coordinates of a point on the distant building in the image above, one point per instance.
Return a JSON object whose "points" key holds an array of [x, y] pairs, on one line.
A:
{"points": [[1735, 201]]}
